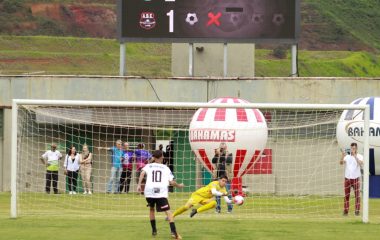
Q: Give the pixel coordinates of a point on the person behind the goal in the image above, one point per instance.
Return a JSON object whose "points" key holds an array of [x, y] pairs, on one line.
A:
{"points": [[353, 162], [51, 160], [222, 162], [158, 178], [142, 157]]}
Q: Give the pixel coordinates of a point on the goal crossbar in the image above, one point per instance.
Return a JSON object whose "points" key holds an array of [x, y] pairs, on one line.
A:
{"points": [[187, 104]]}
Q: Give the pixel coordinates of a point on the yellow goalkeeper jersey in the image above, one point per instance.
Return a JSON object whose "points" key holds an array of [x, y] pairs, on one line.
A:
{"points": [[206, 190]]}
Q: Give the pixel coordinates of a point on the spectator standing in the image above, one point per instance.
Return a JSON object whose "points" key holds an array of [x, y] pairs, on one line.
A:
{"points": [[51, 160], [161, 148], [142, 158], [169, 157], [353, 162], [223, 167], [127, 164], [117, 155], [86, 169], [71, 165]]}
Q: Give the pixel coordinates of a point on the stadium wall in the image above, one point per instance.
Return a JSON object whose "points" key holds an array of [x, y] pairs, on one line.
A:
{"points": [[263, 90]]}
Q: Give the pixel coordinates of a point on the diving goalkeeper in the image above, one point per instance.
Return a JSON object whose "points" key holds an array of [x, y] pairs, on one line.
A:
{"points": [[205, 197]]}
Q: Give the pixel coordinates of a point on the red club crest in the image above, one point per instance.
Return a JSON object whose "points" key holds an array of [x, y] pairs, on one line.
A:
{"points": [[147, 20]]}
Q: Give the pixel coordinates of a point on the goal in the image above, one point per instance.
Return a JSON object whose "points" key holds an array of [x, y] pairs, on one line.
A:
{"points": [[285, 157]]}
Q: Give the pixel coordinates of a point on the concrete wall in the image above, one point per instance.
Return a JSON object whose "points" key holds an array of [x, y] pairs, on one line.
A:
{"points": [[300, 167], [6, 153], [1, 148], [208, 59], [100, 88], [264, 90]]}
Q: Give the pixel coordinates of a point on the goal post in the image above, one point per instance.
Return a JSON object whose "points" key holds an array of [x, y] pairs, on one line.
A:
{"points": [[265, 177], [13, 211], [365, 217]]}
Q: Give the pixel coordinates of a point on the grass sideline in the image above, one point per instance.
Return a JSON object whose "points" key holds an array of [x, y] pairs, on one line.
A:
{"points": [[66, 224], [90, 56]]}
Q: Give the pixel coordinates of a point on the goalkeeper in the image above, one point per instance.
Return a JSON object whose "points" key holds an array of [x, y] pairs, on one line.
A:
{"points": [[205, 197]]}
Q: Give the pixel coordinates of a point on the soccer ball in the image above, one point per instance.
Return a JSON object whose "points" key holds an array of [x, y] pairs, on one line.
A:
{"points": [[238, 200]]}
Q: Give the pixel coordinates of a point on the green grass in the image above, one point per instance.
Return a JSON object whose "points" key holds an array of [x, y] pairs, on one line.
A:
{"points": [[320, 64], [88, 56], [325, 24], [80, 56], [356, 64], [119, 228], [65, 216], [359, 18]]}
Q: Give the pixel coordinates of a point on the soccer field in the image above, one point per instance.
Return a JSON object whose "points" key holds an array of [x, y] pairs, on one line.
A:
{"points": [[72, 223]]}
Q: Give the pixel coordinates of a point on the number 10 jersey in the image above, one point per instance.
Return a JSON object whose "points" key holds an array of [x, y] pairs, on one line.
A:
{"points": [[158, 177]]}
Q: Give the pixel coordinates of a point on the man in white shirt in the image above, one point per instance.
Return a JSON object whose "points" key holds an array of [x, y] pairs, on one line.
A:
{"points": [[158, 179], [353, 162], [51, 160]]}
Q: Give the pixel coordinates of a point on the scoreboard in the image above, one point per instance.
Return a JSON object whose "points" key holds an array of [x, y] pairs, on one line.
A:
{"points": [[244, 21]]}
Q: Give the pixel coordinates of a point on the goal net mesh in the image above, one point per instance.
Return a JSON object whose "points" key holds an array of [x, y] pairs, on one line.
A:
{"points": [[297, 174]]}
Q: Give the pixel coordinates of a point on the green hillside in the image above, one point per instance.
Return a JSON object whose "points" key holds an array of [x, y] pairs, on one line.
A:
{"points": [[338, 38], [351, 25], [347, 19], [59, 55], [56, 55], [320, 64]]}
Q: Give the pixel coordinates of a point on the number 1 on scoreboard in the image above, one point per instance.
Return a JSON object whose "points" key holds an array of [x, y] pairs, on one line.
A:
{"points": [[170, 14]]}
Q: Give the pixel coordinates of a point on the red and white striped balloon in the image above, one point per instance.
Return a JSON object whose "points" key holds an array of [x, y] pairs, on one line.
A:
{"points": [[243, 130]]}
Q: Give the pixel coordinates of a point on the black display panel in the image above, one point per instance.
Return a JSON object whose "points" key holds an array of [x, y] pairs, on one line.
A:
{"points": [[226, 21]]}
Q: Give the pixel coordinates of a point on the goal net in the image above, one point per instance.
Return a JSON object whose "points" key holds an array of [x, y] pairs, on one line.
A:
{"points": [[284, 158]]}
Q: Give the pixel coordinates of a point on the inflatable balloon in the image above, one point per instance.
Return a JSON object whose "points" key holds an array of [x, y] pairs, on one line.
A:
{"points": [[243, 130], [351, 128]]}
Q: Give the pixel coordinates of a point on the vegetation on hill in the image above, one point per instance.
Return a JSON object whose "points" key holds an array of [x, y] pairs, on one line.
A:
{"points": [[327, 28], [346, 22], [58, 18], [325, 24], [68, 55], [320, 64], [57, 55]]}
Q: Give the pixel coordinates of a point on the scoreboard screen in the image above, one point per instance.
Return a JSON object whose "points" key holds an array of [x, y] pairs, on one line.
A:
{"points": [[246, 21]]}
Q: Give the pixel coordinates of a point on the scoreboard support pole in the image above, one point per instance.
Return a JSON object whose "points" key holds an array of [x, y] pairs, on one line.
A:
{"points": [[294, 61], [191, 60], [122, 67], [225, 60]]}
